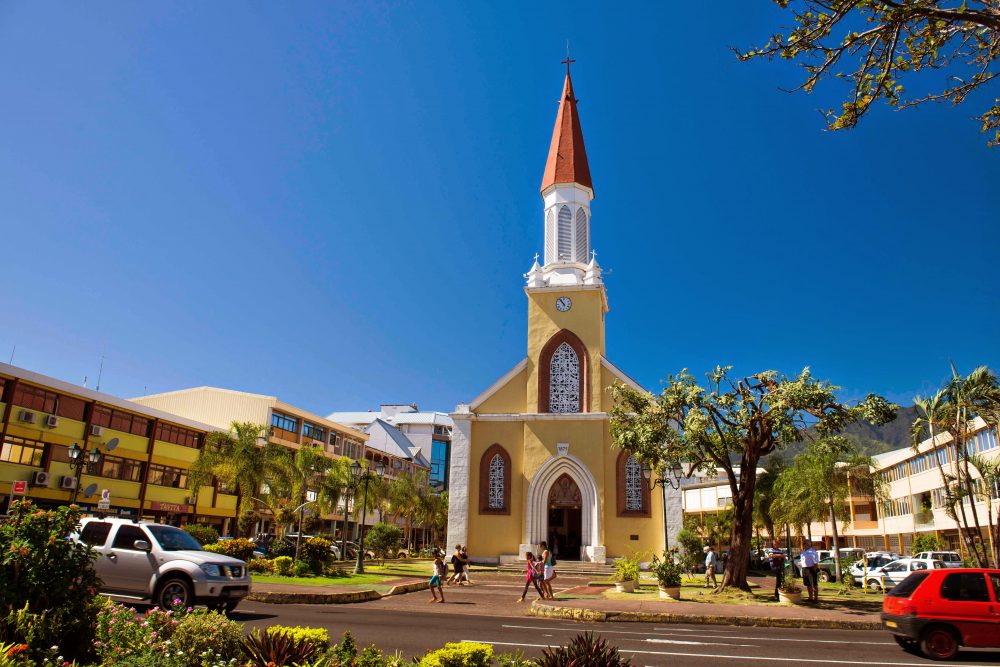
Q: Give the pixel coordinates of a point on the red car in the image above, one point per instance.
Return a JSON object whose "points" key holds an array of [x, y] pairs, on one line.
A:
{"points": [[939, 610]]}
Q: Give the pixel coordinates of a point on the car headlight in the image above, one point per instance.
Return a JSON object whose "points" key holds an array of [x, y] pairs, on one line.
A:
{"points": [[211, 570]]}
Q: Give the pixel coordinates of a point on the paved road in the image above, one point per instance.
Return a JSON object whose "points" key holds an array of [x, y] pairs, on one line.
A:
{"points": [[414, 630]]}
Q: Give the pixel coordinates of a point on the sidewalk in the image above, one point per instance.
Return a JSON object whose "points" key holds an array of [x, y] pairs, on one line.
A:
{"points": [[300, 594], [666, 611]]}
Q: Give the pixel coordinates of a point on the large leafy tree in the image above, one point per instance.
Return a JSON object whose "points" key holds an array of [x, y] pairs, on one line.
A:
{"points": [[741, 418], [433, 513], [874, 45], [242, 458]]}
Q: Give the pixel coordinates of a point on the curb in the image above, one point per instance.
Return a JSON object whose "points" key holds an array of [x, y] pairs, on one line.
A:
{"points": [[350, 597], [593, 615]]}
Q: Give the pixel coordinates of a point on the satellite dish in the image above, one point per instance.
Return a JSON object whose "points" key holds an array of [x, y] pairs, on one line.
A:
{"points": [[90, 490], [112, 443]]}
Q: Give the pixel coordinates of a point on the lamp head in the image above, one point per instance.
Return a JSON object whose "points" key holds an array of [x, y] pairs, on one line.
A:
{"points": [[74, 452], [356, 469], [94, 455], [647, 472], [380, 468]]}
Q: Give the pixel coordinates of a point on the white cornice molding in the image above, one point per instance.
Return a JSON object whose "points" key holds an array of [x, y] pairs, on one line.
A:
{"points": [[540, 416], [621, 375]]}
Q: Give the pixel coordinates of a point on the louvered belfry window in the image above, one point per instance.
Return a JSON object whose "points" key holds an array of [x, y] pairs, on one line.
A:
{"points": [[633, 485], [581, 236], [496, 499], [565, 245], [550, 238], [564, 380]]}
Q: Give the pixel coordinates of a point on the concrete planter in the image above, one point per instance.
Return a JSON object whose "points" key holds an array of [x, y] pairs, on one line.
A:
{"points": [[626, 586], [670, 592], [790, 598]]}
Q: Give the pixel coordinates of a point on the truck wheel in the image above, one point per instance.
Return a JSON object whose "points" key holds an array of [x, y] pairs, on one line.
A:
{"points": [[824, 576], [939, 642], [172, 590]]}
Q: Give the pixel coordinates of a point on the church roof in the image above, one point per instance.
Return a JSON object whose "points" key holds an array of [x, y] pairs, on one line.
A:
{"points": [[567, 161]]}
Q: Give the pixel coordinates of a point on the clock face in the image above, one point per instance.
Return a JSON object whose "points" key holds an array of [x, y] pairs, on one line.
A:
{"points": [[563, 304]]}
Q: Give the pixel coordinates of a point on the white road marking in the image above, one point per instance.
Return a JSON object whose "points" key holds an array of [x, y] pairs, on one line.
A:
{"points": [[701, 633], [741, 657], [687, 643]]}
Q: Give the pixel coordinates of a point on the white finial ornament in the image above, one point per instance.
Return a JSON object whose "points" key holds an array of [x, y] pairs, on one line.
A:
{"points": [[534, 275]]}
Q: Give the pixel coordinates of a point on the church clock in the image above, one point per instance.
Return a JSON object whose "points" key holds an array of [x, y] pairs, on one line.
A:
{"points": [[563, 304]]}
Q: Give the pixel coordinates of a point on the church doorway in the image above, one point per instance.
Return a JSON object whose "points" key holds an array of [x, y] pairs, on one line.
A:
{"points": [[565, 518]]}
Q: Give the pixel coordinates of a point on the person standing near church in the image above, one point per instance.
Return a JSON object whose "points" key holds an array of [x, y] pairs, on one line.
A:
{"points": [[777, 558], [711, 565], [548, 571], [810, 571]]}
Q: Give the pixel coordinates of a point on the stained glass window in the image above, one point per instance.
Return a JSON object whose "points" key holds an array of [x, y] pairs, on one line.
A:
{"points": [[564, 380], [496, 483], [633, 485]]}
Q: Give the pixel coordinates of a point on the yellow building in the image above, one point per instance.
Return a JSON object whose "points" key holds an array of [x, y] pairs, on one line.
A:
{"points": [[144, 453], [532, 457]]}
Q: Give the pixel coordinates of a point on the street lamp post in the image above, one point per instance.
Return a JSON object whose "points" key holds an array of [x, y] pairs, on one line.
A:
{"points": [[77, 462], [298, 536], [348, 497], [365, 475], [671, 479]]}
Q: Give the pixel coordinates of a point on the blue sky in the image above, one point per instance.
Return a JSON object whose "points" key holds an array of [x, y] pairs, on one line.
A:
{"points": [[335, 202]]}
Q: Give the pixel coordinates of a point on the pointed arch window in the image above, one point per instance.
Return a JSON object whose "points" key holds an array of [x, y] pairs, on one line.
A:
{"points": [[562, 374], [633, 489], [582, 242], [565, 245], [494, 481]]}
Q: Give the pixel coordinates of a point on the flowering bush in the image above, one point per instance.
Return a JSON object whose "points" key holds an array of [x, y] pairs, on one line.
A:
{"points": [[204, 534], [283, 565], [239, 548], [122, 634], [47, 582], [207, 635], [260, 565]]}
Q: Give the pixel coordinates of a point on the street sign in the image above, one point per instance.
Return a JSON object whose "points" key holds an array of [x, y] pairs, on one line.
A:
{"points": [[105, 502], [19, 488]]}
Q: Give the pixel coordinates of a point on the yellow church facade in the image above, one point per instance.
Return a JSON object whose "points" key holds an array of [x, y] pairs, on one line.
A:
{"points": [[532, 458]]}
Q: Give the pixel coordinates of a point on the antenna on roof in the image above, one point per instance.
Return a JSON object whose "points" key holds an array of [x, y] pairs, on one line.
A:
{"points": [[12, 351], [100, 372]]}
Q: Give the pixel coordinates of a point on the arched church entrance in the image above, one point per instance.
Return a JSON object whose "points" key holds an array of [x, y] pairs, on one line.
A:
{"points": [[565, 525]]}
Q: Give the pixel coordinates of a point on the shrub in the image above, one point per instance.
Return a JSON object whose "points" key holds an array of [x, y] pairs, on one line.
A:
{"points": [[204, 534], [280, 546], [319, 637], [283, 565], [669, 570], [302, 568], [260, 566], [264, 649], [926, 542], [627, 568], [514, 660], [316, 550], [47, 582], [241, 548], [384, 539], [123, 637], [690, 549], [202, 632], [467, 654], [583, 651]]}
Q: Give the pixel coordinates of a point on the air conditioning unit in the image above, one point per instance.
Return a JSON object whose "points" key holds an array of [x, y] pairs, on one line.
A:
{"points": [[52, 421], [188, 500], [40, 478], [96, 430], [26, 417], [68, 482]]}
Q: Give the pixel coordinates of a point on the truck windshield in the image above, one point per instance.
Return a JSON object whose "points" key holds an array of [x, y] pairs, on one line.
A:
{"points": [[173, 539]]}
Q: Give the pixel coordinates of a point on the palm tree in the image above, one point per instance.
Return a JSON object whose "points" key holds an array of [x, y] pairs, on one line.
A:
{"points": [[335, 487], [295, 474], [404, 495], [242, 458], [765, 496], [989, 474], [433, 512]]}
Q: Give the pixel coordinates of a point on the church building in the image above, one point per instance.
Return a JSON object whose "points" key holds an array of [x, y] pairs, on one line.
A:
{"points": [[532, 457]]}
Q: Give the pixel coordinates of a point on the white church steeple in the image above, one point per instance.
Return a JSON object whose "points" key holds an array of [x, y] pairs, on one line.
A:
{"points": [[567, 192]]}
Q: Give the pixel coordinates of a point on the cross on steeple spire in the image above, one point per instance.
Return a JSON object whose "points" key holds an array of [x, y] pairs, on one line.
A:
{"points": [[568, 60]]}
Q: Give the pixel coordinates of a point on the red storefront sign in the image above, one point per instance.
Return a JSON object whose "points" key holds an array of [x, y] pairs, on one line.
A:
{"points": [[19, 488], [176, 508]]}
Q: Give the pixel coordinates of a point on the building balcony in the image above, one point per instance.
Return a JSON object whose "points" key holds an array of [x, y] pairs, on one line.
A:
{"points": [[923, 519]]}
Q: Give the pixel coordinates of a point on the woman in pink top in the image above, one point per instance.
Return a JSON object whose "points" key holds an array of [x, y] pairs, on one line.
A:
{"points": [[532, 574]]}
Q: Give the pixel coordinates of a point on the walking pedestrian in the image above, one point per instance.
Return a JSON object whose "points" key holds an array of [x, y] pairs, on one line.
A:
{"points": [[810, 570], [456, 566], [777, 558], [532, 575], [711, 564], [440, 571], [465, 565], [548, 571]]}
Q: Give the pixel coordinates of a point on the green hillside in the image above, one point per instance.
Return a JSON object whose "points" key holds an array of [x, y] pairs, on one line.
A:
{"points": [[870, 439]]}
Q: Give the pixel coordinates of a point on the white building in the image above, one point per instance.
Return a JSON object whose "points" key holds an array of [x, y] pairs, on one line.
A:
{"points": [[429, 431]]}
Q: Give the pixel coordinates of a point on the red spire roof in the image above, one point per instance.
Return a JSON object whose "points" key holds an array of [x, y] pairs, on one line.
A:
{"points": [[567, 161]]}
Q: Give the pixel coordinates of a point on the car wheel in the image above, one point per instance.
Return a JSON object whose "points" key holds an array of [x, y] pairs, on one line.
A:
{"points": [[175, 591], [939, 642], [224, 607], [874, 585], [824, 576]]}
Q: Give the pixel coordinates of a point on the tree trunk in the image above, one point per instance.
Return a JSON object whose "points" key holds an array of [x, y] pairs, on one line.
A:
{"points": [[836, 542], [742, 532]]}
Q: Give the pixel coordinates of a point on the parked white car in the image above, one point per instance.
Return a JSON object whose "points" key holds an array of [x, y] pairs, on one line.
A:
{"points": [[887, 576], [874, 561], [949, 558]]}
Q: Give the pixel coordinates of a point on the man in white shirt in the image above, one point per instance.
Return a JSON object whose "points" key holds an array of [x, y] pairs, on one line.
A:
{"points": [[809, 561], [711, 563]]}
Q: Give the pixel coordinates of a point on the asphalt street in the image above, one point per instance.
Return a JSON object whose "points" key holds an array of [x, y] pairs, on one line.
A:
{"points": [[413, 631]]}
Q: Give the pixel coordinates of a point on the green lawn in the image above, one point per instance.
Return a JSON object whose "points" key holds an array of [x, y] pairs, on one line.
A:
{"points": [[374, 575]]}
